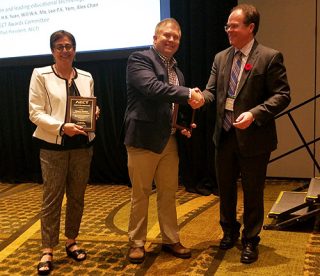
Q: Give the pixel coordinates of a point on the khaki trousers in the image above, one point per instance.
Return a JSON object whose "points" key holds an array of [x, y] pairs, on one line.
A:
{"points": [[145, 166], [63, 171]]}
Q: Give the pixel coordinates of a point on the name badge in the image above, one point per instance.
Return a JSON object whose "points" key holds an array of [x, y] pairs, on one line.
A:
{"points": [[229, 104]]}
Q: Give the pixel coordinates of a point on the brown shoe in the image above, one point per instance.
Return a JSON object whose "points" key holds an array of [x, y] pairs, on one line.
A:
{"points": [[136, 255], [177, 250]]}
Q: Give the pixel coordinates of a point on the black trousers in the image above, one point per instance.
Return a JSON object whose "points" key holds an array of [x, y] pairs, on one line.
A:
{"points": [[230, 164]]}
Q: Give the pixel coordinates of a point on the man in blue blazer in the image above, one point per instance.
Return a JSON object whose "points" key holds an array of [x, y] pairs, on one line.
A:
{"points": [[243, 148], [154, 83]]}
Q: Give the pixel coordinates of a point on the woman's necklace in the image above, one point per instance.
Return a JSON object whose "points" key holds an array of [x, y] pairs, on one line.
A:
{"points": [[67, 76]]}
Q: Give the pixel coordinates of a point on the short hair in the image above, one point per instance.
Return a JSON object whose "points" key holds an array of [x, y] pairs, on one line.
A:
{"points": [[251, 15], [165, 22], [60, 34]]}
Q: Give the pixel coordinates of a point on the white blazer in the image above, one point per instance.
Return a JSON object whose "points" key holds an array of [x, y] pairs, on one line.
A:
{"points": [[48, 101]]}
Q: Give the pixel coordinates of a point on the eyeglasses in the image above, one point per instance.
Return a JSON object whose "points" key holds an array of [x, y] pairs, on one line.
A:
{"points": [[231, 26], [235, 26], [60, 47]]}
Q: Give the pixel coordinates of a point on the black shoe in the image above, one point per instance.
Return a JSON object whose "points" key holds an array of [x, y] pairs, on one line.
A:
{"points": [[191, 190], [228, 241], [215, 191], [46, 264], [76, 253], [203, 191], [249, 253]]}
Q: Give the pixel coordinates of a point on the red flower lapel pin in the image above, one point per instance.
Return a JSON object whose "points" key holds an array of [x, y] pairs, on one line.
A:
{"points": [[248, 67]]}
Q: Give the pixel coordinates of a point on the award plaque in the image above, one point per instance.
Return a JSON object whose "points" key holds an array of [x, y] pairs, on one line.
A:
{"points": [[82, 111], [181, 120]]}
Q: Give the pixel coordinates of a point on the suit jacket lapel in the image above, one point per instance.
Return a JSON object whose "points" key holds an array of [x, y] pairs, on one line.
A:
{"points": [[227, 70], [245, 73], [162, 69]]}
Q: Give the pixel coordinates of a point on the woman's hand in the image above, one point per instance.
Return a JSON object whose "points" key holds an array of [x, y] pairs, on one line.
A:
{"points": [[72, 129], [97, 112]]}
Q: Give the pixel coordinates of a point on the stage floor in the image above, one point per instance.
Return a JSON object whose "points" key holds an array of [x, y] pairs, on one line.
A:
{"points": [[103, 233]]}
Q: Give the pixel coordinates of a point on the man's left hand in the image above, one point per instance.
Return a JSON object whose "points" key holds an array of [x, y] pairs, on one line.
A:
{"points": [[244, 120]]}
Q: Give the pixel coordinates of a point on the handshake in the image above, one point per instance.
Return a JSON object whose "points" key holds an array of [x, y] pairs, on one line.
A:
{"points": [[197, 99]]}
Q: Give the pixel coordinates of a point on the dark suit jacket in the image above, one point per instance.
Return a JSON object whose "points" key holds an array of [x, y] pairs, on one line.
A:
{"points": [[149, 101], [263, 90]]}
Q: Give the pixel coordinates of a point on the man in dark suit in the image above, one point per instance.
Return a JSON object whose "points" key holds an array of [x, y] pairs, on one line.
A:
{"points": [[154, 83], [249, 86]]}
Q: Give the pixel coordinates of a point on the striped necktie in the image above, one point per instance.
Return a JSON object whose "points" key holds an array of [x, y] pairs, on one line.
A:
{"points": [[235, 70]]}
